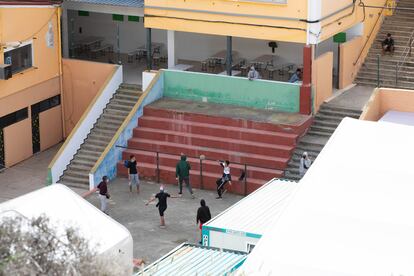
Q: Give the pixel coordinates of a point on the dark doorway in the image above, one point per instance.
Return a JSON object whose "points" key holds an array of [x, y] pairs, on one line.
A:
{"points": [[35, 133], [2, 162]]}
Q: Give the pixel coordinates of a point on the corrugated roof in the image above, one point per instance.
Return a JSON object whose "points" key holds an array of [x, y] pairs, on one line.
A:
{"points": [[188, 259], [256, 212], [124, 3]]}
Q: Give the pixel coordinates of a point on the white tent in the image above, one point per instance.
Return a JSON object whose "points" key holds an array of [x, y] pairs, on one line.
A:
{"points": [[353, 213], [241, 226], [65, 208]]}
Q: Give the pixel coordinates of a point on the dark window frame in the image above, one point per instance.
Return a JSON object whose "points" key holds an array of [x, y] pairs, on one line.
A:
{"points": [[45, 104], [14, 117]]}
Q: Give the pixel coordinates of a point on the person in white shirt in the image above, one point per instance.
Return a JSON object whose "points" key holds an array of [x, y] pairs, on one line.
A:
{"points": [[304, 164], [226, 178], [253, 74]]}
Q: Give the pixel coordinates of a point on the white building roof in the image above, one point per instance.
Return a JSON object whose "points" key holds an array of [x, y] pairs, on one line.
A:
{"points": [[65, 208], [256, 212], [190, 260], [352, 213]]}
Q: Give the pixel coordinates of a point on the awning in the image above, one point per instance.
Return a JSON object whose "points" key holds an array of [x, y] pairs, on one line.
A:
{"points": [[125, 7]]}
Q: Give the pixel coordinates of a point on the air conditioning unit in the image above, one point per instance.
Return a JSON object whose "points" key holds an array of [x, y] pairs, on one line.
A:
{"points": [[5, 71]]}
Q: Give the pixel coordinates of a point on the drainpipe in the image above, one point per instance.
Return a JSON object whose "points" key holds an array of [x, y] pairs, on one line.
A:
{"points": [[149, 61], [229, 57], [59, 49]]}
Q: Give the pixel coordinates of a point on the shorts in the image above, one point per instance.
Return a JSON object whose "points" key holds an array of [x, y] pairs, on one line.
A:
{"points": [[162, 210], [134, 179], [227, 177]]}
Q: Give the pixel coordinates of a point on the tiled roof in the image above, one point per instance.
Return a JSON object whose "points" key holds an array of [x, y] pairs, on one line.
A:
{"points": [[124, 3]]}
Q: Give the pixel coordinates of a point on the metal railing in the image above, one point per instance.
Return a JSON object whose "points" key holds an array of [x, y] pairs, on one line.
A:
{"points": [[202, 158], [404, 55]]}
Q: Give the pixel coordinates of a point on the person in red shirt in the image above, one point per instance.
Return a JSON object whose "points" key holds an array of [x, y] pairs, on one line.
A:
{"points": [[103, 193]]}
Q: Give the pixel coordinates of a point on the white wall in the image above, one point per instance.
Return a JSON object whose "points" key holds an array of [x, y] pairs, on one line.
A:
{"points": [[230, 241], [132, 34]]}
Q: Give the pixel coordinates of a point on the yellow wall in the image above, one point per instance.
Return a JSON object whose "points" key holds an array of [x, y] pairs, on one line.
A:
{"points": [[349, 54], [17, 142], [386, 99], [81, 82], [216, 23], [22, 24], [322, 79], [50, 124]]}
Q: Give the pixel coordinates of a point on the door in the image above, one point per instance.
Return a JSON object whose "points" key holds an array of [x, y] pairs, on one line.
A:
{"points": [[35, 132]]}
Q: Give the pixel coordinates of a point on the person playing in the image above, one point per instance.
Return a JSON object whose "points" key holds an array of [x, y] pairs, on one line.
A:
{"points": [[162, 204], [203, 215], [253, 74], [304, 164], [297, 76], [182, 173], [133, 176], [226, 178], [103, 193], [388, 44]]}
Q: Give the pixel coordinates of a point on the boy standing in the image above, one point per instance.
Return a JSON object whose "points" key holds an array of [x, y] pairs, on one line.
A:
{"points": [[182, 173], [133, 173]]}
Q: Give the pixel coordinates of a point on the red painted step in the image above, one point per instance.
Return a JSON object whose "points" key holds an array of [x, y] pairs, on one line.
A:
{"points": [[225, 121], [167, 174], [210, 153], [210, 141], [224, 131], [208, 165]]}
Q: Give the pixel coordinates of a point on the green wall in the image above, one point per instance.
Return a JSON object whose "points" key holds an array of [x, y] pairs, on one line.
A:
{"points": [[261, 94]]}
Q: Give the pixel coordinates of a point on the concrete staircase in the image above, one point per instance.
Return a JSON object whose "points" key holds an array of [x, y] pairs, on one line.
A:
{"points": [[265, 147], [324, 124], [401, 26], [77, 172]]}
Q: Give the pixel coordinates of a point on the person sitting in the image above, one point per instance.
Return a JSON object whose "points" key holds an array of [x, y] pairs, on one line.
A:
{"points": [[297, 76], [253, 74], [388, 44]]}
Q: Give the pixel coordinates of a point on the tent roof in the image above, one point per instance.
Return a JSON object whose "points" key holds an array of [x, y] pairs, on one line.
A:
{"points": [[65, 208], [352, 213], [256, 212], [189, 260]]}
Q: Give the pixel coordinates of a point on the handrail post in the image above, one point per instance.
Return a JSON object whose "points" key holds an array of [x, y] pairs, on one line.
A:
{"points": [[378, 70], [396, 74], [245, 179], [158, 167], [411, 44], [201, 173]]}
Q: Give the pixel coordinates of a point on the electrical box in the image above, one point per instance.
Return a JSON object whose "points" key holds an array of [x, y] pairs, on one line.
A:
{"points": [[5, 71]]}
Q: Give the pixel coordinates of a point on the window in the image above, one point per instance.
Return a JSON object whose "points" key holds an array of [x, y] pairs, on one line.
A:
{"points": [[13, 118], [45, 105], [250, 247], [19, 58]]}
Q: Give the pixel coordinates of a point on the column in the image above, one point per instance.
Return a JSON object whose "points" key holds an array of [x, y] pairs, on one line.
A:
{"points": [[229, 60], [306, 88], [171, 49], [65, 33], [149, 50]]}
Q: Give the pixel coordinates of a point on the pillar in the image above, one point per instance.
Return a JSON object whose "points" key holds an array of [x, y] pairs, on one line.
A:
{"points": [[65, 33], [171, 48], [306, 88], [229, 59], [149, 50]]}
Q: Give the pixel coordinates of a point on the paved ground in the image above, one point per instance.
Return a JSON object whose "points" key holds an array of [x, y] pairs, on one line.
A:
{"points": [[354, 98], [232, 111], [26, 176], [151, 242]]}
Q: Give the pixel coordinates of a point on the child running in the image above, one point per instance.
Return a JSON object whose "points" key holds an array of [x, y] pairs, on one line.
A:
{"points": [[162, 204], [226, 178]]}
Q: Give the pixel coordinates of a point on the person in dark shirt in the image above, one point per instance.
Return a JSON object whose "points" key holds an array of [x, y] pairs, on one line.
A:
{"points": [[388, 44], [133, 173], [162, 204], [182, 174], [103, 193], [203, 215]]}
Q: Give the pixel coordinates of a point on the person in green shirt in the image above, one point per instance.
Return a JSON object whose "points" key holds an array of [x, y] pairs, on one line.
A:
{"points": [[182, 173]]}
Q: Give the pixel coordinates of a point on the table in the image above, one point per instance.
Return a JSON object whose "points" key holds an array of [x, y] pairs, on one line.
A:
{"points": [[182, 67], [155, 48], [90, 42], [263, 61], [222, 55], [233, 73]]}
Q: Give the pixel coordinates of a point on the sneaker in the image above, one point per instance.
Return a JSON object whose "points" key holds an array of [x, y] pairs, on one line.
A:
{"points": [[219, 197], [192, 196], [180, 194], [163, 226]]}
